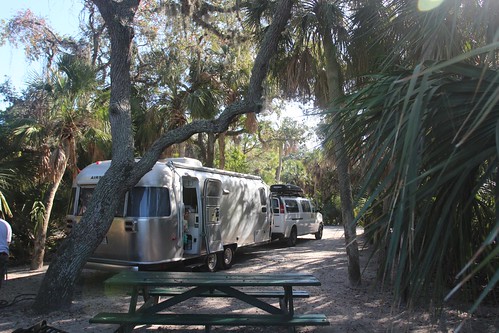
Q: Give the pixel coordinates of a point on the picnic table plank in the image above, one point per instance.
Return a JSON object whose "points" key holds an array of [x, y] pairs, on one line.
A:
{"points": [[210, 279], [210, 319], [160, 291]]}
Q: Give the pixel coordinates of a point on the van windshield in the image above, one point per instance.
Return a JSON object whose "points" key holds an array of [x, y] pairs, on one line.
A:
{"points": [[148, 202]]}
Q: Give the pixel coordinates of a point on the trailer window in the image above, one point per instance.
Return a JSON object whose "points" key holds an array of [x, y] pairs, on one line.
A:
{"points": [[263, 197], [84, 199], [148, 202], [215, 189], [71, 208]]}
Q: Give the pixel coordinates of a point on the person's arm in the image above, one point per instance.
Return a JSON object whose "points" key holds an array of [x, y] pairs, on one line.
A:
{"points": [[9, 233]]}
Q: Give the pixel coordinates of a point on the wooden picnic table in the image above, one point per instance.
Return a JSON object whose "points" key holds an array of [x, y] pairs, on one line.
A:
{"points": [[178, 287]]}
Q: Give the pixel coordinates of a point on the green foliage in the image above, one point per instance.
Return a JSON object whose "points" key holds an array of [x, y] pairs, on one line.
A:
{"points": [[4, 207], [36, 214], [332, 211], [293, 171], [236, 161], [429, 141], [6, 177]]}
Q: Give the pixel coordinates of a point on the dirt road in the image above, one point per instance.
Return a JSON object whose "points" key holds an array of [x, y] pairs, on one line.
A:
{"points": [[364, 309]]}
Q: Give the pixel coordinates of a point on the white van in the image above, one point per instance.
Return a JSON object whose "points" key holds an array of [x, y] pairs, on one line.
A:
{"points": [[293, 215]]}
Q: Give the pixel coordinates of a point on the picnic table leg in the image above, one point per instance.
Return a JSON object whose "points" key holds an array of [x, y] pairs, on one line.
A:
{"points": [[287, 305], [288, 294], [286, 302], [283, 304], [131, 309], [124, 329], [207, 328]]}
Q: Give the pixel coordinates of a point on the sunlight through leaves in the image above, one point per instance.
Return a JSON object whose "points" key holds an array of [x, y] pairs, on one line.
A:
{"points": [[426, 5]]}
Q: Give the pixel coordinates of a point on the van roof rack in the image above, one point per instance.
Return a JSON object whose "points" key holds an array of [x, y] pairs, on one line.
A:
{"points": [[286, 189]]}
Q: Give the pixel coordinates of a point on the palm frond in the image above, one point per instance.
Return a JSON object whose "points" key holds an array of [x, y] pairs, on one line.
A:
{"points": [[4, 207], [428, 140]]}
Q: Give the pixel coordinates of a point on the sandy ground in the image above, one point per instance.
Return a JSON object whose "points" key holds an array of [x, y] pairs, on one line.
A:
{"points": [[363, 309]]}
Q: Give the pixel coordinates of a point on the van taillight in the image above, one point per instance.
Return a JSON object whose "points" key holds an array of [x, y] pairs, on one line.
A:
{"points": [[281, 208]]}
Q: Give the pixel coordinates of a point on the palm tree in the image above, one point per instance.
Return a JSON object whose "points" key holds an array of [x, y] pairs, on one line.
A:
{"points": [[310, 65], [60, 114], [427, 131], [5, 177]]}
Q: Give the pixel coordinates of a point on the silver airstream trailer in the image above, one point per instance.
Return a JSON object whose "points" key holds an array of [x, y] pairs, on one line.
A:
{"points": [[179, 210]]}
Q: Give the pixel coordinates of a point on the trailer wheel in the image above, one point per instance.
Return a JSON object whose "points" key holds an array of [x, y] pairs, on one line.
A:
{"points": [[212, 262], [227, 257], [293, 236], [318, 234]]}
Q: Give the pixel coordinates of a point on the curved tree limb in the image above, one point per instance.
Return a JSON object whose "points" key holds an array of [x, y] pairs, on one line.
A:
{"points": [[57, 287], [252, 102]]}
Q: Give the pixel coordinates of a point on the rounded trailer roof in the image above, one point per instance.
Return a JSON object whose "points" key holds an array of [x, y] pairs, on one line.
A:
{"points": [[91, 174]]}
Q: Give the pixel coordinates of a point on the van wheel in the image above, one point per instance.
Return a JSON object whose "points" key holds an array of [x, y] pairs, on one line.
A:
{"points": [[227, 257], [318, 234], [293, 236], [212, 262]]}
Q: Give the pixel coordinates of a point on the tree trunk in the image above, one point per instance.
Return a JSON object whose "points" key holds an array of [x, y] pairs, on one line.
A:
{"points": [[202, 148], [333, 72], [41, 232], [56, 289], [210, 150], [279, 167], [221, 150], [181, 149]]}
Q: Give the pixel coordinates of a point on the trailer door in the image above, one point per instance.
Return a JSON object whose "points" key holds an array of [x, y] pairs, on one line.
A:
{"points": [[212, 223]]}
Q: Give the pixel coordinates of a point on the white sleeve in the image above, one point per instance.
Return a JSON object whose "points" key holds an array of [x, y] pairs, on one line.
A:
{"points": [[9, 233]]}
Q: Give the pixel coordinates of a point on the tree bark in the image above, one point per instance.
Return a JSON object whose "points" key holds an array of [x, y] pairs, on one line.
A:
{"points": [[221, 151], [210, 151], [333, 73], [56, 290], [279, 166]]}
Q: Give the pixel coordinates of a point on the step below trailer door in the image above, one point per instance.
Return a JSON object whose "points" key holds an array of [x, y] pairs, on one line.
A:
{"points": [[212, 223]]}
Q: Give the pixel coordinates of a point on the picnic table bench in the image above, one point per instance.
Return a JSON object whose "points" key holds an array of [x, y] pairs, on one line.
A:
{"points": [[181, 286]]}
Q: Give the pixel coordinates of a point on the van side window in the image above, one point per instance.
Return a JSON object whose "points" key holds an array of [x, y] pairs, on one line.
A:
{"points": [[291, 206], [305, 206], [263, 196]]}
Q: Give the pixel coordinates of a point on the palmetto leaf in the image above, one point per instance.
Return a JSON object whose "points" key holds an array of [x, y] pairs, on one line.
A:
{"points": [[429, 138], [36, 214], [6, 178], [4, 206]]}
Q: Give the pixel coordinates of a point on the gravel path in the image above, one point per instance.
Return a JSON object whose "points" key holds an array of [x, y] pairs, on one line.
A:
{"points": [[367, 308]]}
